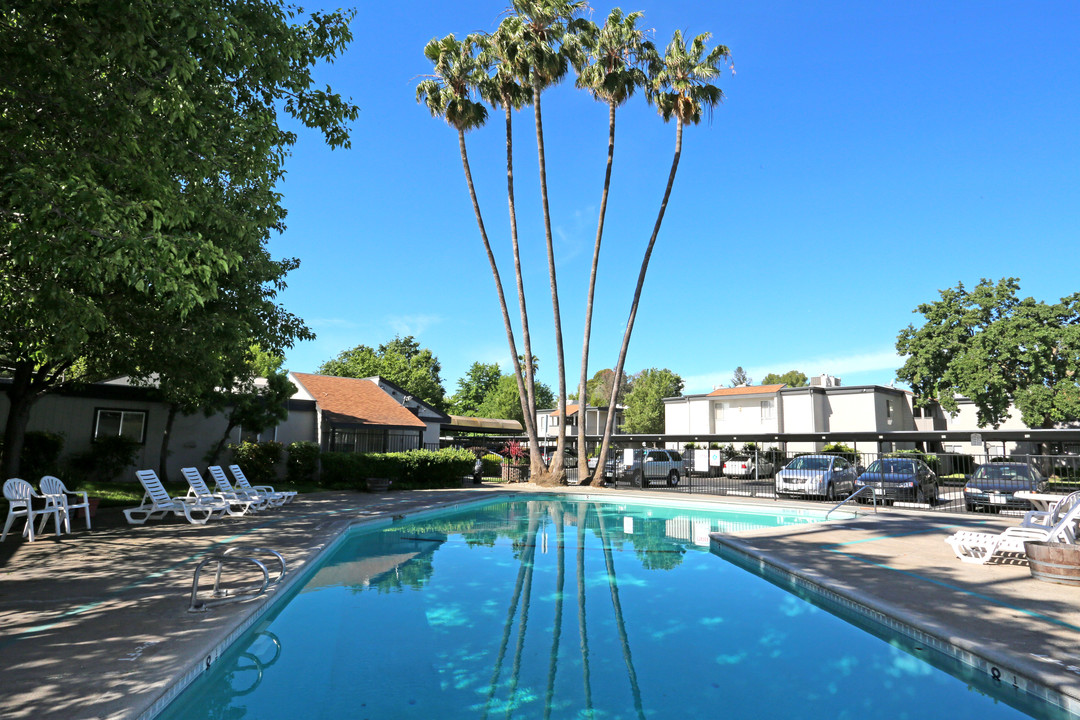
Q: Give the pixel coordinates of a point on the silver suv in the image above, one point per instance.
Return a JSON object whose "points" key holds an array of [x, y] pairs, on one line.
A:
{"points": [[646, 465]]}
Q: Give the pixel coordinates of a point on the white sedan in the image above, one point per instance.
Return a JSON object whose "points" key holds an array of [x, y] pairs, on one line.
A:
{"points": [[744, 466]]}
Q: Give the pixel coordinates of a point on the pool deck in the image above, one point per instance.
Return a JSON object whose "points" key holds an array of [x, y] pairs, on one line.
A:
{"points": [[95, 624]]}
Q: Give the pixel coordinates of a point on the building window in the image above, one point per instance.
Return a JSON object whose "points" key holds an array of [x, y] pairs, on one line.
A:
{"points": [[888, 409], [766, 410], [130, 424], [718, 412]]}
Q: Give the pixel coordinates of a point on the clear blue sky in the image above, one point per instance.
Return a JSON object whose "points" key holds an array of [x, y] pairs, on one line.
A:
{"points": [[868, 154]]}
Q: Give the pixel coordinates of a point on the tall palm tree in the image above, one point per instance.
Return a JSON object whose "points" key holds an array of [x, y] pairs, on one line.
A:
{"points": [[501, 52], [613, 72], [448, 93], [549, 45], [681, 89]]}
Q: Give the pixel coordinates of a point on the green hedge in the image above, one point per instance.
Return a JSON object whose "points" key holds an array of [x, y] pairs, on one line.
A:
{"points": [[302, 465], [259, 460], [406, 470]]}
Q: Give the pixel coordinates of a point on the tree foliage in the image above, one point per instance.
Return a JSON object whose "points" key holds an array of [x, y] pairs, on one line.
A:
{"points": [[504, 401], [479, 381], [645, 401], [401, 361], [139, 171], [599, 388], [792, 378], [999, 351], [740, 378]]}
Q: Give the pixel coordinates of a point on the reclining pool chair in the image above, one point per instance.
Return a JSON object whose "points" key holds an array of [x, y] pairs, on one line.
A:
{"points": [[221, 482], [21, 496], [238, 505], [53, 487], [980, 548], [243, 483], [156, 501]]}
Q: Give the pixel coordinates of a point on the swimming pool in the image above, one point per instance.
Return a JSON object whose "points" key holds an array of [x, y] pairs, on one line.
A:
{"points": [[547, 607]]}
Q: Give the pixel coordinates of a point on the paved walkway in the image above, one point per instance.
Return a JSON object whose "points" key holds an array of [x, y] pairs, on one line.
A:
{"points": [[94, 624]]}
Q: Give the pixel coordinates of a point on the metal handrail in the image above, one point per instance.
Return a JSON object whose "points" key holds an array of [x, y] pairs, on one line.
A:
{"points": [[231, 555], [873, 495]]}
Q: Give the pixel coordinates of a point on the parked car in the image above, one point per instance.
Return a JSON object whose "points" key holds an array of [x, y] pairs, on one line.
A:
{"points": [[746, 466], [906, 479], [569, 458], [827, 476], [647, 465], [993, 485]]}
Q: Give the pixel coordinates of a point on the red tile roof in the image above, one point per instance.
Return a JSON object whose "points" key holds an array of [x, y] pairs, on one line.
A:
{"points": [[747, 390], [570, 410], [349, 400]]}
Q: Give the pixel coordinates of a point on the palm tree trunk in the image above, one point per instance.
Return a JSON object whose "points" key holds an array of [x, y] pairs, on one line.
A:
{"points": [[598, 478], [555, 472], [560, 582], [583, 516], [530, 422], [583, 399], [529, 397]]}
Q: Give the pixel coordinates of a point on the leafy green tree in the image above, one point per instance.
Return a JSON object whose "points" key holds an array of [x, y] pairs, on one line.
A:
{"points": [[999, 351], [740, 378], [142, 153], [480, 380], [612, 73], [681, 87], [401, 361], [792, 378], [645, 401], [600, 386], [504, 401]]}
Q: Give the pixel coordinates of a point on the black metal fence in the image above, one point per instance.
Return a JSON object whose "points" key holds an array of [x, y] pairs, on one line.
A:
{"points": [[945, 482]]}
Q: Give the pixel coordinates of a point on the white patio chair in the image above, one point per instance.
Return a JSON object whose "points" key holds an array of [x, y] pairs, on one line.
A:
{"points": [[53, 487], [156, 502], [21, 496], [199, 491], [242, 481], [980, 548], [221, 482]]}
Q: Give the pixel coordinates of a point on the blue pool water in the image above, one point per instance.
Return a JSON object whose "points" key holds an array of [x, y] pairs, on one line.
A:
{"points": [[554, 608]]}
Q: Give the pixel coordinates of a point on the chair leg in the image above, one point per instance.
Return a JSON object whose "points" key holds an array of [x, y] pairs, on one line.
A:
{"points": [[7, 525]]}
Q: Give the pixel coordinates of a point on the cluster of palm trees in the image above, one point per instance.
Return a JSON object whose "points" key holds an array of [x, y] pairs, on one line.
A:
{"points": [[533, 49]]}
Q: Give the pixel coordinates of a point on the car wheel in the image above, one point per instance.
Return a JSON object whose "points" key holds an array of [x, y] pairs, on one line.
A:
{"points": [[920, 496], [673, 478], [830, 493], [971, 507]]}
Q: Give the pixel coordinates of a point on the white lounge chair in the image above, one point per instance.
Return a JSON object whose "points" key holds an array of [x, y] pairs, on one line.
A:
{"points": [[1050, 517], [237, 505], [242, 481], [156, 501], [980, 548], [53, 487], [21, 496], [221, 481]]}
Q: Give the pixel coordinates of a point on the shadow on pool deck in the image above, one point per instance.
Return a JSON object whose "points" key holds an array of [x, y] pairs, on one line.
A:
{"points": [[95, 624]]}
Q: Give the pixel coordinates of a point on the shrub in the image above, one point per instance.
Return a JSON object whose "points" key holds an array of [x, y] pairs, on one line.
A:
{"points": [[258, 460], [106, 460], [40, 454], [302, 464], [492, 465], [411, 469]]}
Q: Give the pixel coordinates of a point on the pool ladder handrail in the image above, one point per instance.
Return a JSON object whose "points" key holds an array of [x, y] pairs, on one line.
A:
{"points": [[231, 555], [873, 495]]}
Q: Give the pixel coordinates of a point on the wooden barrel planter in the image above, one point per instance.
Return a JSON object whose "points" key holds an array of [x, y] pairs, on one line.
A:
{"points": [[378, 484], [1054, 562]]}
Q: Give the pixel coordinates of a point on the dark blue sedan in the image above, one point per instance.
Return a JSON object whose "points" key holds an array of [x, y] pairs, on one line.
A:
{"points": [[903, 479]]}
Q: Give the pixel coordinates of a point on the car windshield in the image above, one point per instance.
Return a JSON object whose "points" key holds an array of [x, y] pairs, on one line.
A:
{"points": [[905, 467], [1003, 472], [809, 463]]}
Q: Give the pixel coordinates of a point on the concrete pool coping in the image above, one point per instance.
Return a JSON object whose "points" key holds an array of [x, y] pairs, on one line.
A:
{"points": [[94, 625]]}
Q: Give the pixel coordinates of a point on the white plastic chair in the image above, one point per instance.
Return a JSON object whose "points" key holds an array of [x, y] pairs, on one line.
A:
{"points": [[156, 502], [242, 481], [53, 487], [980, 548], [20, 496], [199, 491], [221, 482]]}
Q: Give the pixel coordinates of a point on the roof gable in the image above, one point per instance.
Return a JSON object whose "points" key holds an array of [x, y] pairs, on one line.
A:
{"points": [[349, 400]]}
